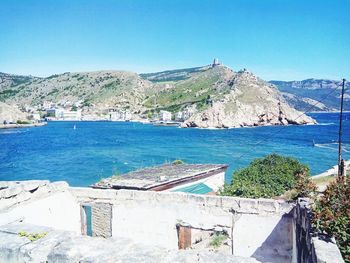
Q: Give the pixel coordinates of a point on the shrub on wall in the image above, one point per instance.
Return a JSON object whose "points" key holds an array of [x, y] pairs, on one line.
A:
{"points": [[270, 176], [332, 214]]}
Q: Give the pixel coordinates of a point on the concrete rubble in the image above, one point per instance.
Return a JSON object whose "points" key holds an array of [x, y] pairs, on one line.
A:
{"points": [[63, 246]]}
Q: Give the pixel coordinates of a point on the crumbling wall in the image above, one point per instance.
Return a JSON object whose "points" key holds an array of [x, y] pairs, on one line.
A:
{"points": [[311, 248], [40, 203], [101, 219], [152, 218]]}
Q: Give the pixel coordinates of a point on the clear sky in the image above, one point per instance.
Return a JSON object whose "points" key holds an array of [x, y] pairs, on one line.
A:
{"points": [[275, 39]]}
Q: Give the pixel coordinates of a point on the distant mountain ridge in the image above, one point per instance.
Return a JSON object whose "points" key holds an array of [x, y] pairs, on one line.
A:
{"points": [[303, 94]]}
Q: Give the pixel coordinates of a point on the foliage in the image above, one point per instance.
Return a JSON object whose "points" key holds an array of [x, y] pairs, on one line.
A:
{"points": [[217, 239], [7, 93], [304, 185], [23, 122], [32, 236], [176, 162], [269, 177], [52, 92], [149, 115], [332, 214]]}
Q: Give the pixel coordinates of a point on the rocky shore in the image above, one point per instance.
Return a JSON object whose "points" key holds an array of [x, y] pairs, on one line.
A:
{"points": [[250, 102]]}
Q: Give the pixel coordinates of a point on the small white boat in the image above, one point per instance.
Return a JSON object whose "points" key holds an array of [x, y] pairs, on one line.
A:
{"points": [[74, 127]]}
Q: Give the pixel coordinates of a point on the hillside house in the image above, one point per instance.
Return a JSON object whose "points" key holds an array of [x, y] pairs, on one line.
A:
{"points": [[165, 115]]}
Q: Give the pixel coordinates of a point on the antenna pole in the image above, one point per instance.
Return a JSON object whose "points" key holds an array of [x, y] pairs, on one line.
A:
{"points": [[340, 159]]}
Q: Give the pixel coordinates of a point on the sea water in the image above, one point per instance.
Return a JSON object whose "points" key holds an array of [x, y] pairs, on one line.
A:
{"points": [[96, 150]]}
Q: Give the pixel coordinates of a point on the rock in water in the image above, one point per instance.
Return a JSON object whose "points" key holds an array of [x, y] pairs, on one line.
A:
{"points": [[250, 101]]}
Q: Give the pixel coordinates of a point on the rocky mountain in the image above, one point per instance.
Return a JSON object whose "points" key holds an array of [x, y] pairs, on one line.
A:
{"points": [[221, 98], [209, 96], [303, 94], [93, 91], [246, 100], [172, 75], [10, 80]]}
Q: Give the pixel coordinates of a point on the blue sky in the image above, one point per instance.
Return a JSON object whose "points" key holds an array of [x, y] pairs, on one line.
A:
{"points": [[275, 39]]}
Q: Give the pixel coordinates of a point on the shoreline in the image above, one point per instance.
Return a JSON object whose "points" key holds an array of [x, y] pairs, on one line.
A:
{"points": [[15, 125], [332, 171], [345, 111]]}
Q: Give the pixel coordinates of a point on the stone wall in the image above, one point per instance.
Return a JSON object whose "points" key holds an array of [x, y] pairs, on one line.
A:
{"points": [[262, 228], [40, 203], [101, 219], [311, 248]]}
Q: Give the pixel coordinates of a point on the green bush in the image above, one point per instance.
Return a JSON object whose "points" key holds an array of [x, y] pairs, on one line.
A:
{"points": [[218, 239], [32, 236], [23, 122], [332, 214], [268, 177], [176, 162]]}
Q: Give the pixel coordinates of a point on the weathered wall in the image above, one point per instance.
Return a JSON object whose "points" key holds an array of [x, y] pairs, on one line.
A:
{"points": [[311, 248], [40, 203], [151, 218], [101, 220], [214, 182]]}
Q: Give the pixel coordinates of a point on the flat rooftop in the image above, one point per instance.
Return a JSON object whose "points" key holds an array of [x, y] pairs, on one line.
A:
{"points": [[161, 177]]}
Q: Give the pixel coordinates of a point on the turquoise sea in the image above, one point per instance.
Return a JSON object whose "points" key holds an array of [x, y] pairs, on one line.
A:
{"points": [[96, 150]]}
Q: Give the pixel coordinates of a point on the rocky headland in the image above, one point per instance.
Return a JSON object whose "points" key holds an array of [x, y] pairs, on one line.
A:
{"points": [[212, 96]]}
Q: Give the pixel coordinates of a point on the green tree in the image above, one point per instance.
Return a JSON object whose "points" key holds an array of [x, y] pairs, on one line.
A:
{"points": [[268, 177], [332, 214]]}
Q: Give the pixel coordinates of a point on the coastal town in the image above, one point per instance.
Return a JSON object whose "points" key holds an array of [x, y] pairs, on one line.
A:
{"points": [[188, 131]]}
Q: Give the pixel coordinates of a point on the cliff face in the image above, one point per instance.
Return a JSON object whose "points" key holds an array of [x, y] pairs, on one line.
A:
{"points": [[249, 102]]}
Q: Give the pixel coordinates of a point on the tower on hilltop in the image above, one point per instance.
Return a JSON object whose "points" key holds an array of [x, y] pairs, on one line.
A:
{"points": [[216, 62]]}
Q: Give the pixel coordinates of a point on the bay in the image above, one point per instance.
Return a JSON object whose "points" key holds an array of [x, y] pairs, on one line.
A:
{"points": [[95, 150]]}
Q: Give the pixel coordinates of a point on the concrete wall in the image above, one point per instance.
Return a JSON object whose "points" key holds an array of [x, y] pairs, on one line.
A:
{"points": [[261, 228], [267, 230], [214, 182], [40, 203], [310, 247]]}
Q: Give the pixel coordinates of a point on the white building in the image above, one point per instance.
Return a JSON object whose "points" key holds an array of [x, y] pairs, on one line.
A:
{"points": [[165, 115], [71, 115], [62, 114], [179, 116], [184, 115], [118, 115]]}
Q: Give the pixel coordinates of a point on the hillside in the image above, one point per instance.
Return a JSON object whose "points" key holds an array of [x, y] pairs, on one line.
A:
{"points": [[246, 100], [11, 114], [94, 91], [9, 81], [209, 96], [172, 75], [303, 94], [221, 98]]}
